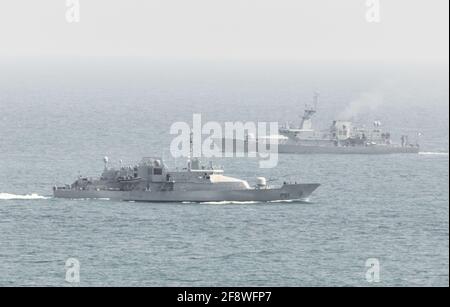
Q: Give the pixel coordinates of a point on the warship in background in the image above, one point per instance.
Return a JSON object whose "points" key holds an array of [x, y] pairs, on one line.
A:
{"points": [[152, 181], [343, 137]]}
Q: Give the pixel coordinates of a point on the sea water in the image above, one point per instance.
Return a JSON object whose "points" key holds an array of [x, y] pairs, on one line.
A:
{"points": [[60, 117]]}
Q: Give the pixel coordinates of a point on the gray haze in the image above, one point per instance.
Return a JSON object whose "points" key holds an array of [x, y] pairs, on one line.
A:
{"points": [[319, 30]]}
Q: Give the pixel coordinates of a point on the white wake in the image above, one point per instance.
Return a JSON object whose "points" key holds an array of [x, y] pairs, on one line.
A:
{"points": [[7, 196], [433, 153]]}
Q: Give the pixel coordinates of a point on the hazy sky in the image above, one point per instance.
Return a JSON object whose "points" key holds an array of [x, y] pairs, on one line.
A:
{"points": [[300, 30]]}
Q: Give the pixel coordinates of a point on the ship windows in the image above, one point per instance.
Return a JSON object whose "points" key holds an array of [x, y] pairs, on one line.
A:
{"points": [[157, 171]]}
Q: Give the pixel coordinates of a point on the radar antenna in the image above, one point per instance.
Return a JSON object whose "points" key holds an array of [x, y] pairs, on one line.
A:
{"points": [[306, 123]]}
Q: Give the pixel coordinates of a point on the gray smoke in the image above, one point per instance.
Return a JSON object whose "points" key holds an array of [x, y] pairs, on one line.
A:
{"points": [[365, 103]]}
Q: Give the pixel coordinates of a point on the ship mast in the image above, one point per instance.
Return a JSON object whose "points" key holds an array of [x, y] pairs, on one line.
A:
{"points": [[306, 123], [191, 150]]}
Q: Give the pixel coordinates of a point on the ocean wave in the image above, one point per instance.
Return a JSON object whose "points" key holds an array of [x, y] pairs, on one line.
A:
{"points": [[8, 196]]}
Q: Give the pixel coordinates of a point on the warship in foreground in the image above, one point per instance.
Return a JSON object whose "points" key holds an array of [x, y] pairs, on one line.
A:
{"points": [[151, 181], [343, 137]]}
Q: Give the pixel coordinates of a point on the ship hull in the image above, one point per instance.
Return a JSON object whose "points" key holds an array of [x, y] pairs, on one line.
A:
{"points": [[291, 148], [367, 150], [286, 192]]}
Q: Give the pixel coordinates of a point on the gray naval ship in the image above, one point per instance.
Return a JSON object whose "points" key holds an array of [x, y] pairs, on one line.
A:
{"points": [[151, 181], [343, 137]]}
